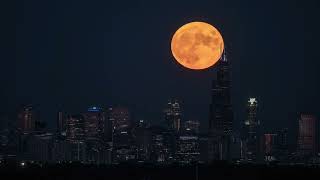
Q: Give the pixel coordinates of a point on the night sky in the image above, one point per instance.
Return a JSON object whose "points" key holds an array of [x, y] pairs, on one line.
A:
{"points": [[71, 54]]}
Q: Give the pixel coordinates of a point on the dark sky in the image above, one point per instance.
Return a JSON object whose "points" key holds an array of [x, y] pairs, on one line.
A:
{"points": [[70, 54]]}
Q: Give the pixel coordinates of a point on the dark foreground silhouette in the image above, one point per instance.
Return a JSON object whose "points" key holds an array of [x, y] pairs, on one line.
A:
{"points": [[217, 171]]}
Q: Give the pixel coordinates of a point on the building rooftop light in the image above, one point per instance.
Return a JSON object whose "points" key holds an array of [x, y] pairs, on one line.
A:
{"points": [[252, 100]]}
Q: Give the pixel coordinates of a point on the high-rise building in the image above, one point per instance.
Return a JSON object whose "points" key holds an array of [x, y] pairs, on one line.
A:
{"points": [[27, 119], [162, 145], [192, 126], [187, 149], [282, 139], [39, 147], [282, 144], [108, 125], [172, 115], [203, 148], [76, 137], [61, 123], [75, 128], [270, 146], [9, 143], [221, 113], [235, 146], [123, 144], [120, 118], [94, 121], [124, 148], [61, 150], [77, 151], [251, 136], [142, 138], [307, 134]]}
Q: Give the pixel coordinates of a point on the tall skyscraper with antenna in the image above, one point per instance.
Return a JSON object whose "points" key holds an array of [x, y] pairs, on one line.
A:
{"points": [[221, 113]]}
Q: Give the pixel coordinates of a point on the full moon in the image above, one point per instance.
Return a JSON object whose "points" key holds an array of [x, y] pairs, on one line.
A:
{"points": [[197, 45]]}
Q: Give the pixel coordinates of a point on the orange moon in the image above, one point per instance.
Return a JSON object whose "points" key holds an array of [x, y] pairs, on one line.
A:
{"points": [[197, 45]]}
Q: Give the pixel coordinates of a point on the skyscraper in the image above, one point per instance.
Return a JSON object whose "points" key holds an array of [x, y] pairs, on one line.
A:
{"points": [[307, 134], [75, 128], [76, 137], [142, 138], [61, 123], [120, 118], [187, 149], [282, 139], [251, 137], [172, 115], [162, 145], [270, 146], [94, 120], [123, 144], [282, 144], [192, 126], [27, 119], [221, 113]]}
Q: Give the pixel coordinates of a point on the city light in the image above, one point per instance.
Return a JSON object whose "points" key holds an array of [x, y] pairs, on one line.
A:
{"points": [[252, 100]]}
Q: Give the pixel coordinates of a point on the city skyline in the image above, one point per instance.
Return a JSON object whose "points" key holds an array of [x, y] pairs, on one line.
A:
{"points": [[56, 61], [112, 135], [168, 89]]}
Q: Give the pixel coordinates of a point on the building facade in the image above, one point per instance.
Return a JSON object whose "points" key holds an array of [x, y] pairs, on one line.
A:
{"points": [[251, 133], [27, 119], [192, 126], [221, 112], [187, 149], [172, 116], [75, 136], [307, 139]]}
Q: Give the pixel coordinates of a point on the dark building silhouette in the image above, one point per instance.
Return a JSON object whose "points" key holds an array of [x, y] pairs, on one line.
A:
{"points": [[282, 144], [235, 146], [251, 137], [40, 147], [163, 142], [275, 146], [172, 116], [9, 144], [75, 128], [76, 137], [61, 149], [27, 119], [108, 126], [94, 121], [203, 148], [192, 126], [120, 118], [270, 146], [307, 133], [142, 139], [221, 113], [124, 148], [187, 149], [61, 123]]}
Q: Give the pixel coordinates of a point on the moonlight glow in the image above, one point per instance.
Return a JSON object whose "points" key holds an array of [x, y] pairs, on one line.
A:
{"points": [[197, 45]]}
